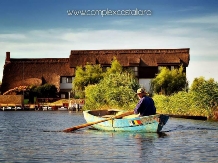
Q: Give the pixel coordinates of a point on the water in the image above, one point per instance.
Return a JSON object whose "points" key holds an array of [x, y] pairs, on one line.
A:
{"points": [[30, 136]]}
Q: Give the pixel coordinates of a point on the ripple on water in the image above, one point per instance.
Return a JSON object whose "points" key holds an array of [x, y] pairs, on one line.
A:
{"points": [[32, 137]]}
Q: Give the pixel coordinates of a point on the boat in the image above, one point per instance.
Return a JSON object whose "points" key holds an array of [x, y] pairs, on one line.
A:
{"points": [[131, 123], [44, 108], [62, 108]]}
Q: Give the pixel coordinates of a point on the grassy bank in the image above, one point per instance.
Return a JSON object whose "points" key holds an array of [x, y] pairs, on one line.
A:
{"points": [[186, 104]]}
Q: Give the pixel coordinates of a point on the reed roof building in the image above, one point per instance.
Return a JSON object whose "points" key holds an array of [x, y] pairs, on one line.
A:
{"points": [[61, 71]]}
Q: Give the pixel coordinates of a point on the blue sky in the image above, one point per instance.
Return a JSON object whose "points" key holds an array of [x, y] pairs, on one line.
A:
{"points": [[43, 29]]}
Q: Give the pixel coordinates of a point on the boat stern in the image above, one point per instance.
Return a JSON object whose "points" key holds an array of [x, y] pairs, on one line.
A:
{"points": [[162, 121]]}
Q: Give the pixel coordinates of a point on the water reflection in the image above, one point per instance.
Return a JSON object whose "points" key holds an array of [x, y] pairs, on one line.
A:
{"points": [[128, 145], [125, 134], [24, 137]]}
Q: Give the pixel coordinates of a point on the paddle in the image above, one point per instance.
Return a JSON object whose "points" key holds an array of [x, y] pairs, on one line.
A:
{"points": [[92, 123]]}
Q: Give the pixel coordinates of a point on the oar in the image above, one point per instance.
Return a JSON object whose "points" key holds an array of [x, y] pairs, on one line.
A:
{"points": [[92, 123]]}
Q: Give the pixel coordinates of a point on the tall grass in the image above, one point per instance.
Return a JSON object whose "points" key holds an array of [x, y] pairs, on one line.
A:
{"points": [[201, 100], [184, 103]]}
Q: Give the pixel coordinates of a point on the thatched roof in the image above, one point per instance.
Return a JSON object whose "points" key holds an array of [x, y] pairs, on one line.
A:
{"points": [[34, 71], [131, 57], [11, 100]]}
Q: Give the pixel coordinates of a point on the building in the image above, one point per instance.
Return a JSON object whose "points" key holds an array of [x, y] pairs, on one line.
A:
{"points": [[37, 71], [61, 71]]}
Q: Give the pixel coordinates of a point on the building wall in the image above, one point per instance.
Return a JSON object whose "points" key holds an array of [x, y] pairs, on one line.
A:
{"points": [[66, 86], [145, 83], [35, 72]]}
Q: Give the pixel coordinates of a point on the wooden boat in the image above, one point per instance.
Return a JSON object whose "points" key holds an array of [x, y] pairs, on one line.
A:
{"points": [[132, 123]]}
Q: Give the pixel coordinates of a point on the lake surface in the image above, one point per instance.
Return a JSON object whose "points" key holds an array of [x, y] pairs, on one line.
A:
{"points": [[30, 136]]}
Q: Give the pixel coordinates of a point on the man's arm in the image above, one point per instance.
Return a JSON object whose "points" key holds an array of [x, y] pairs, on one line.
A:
{"points": [[137, 108]]}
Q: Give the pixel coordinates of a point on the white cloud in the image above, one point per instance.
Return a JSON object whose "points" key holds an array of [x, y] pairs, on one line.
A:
{"points": [[57, 43], [122, 22], [207, 19], [12, 37], [191, 8]]}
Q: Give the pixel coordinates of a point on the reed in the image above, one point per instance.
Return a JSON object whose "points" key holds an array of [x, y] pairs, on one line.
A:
{"points": [[184, 103]]}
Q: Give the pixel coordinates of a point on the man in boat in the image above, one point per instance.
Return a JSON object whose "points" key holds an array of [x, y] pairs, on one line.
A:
{"points": [[145, 106]]}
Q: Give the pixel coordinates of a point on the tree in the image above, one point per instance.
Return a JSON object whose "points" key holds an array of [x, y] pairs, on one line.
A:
{"points": [[169, 81], [44, 91], [198, 83], [116, 89], [206, 91], [115, 67], [90, 74]]}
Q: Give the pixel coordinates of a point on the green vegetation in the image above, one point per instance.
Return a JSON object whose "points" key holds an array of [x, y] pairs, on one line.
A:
{"points": [[114, 91], [113, 88], [43, 91], [201, 100], [169, 81], [90, 74]]}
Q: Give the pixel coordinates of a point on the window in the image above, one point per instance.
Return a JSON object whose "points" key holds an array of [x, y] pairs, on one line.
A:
{"points": [[69, 79], [148, 72], [65, 79], [172, 67], [135, 69]]}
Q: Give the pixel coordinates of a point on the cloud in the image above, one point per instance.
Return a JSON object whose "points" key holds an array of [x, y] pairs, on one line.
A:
{"points": [[57, 43], [191, 8], [207, 20], [12, 37], [123, 22]]}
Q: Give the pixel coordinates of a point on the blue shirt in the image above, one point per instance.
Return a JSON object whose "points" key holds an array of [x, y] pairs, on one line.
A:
{"points": [[145, 106]]}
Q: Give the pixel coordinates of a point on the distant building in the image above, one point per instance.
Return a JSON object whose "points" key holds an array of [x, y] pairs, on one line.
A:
{"points": [[61, 71]]}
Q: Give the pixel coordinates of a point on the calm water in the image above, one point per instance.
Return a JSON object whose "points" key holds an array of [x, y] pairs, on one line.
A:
{"points": [[31, 137]]}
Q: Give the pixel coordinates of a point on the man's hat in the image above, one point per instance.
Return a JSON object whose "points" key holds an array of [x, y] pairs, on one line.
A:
{"points": [[141, 90]]}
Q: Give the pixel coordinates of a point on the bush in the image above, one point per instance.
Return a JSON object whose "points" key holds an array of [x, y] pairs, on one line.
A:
{"points": [[90, 74], [181, 103], [46, 90], [206, 91], [201, 100], [169, 81], [115, 90]]}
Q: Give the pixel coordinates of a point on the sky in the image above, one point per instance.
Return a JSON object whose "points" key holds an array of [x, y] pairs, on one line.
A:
{"points": [[52, 28]]}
